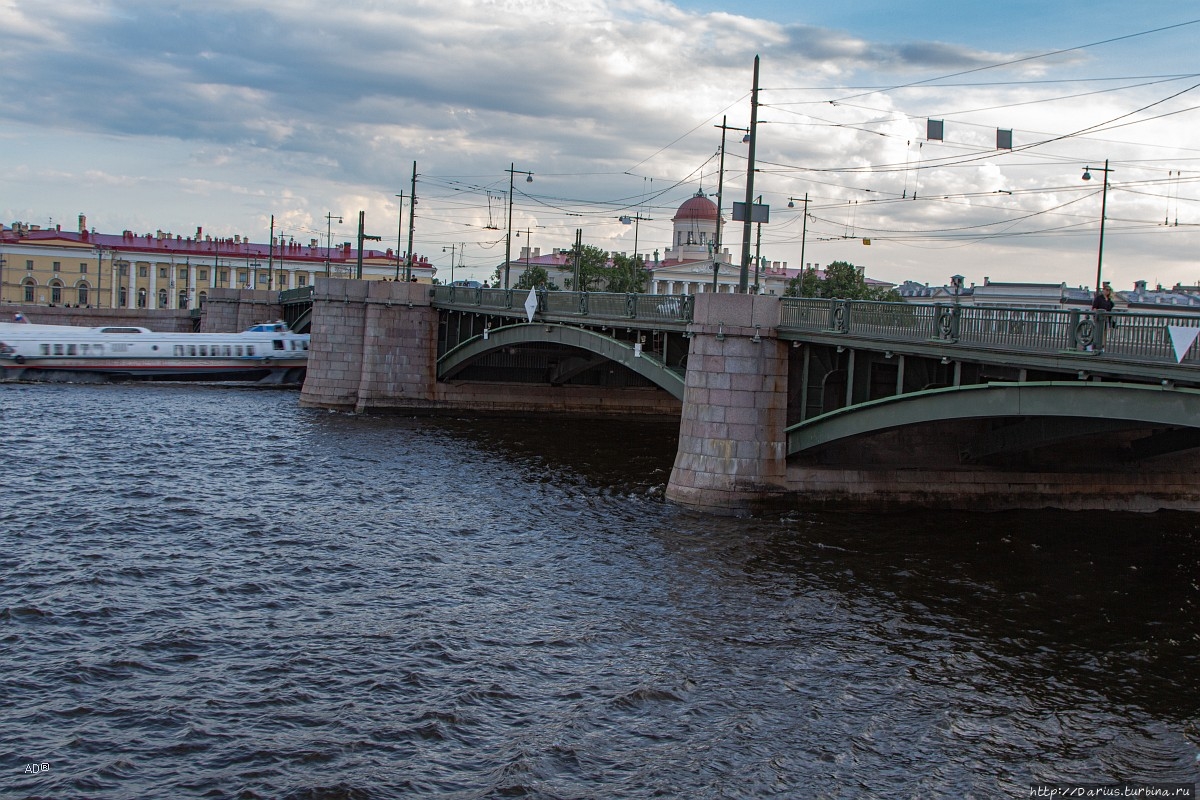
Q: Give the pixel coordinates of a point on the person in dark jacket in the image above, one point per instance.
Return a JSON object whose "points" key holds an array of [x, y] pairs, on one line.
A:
{"points": [[1103, 300]]}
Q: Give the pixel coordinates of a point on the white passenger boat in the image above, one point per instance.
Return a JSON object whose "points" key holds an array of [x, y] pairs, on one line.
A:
{"points": [[267, 352]]}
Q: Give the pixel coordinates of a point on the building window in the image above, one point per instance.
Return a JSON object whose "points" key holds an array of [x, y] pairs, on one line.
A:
{"points": [[57, 266], [162, 298], [122, 270], [223, 275], [203, 298], [183, 273], [142, 297], [123, 300], [83, 295], [162, 272], [263, 277], [30, 285], [242, 277], [302, 279], [82, 268], [55, 293], [203, 275], [183, 299], [143, 271], [29, 264]]}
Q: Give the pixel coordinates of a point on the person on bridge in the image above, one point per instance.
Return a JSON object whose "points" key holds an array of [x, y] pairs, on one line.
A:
{"points": [[1103, 300]]}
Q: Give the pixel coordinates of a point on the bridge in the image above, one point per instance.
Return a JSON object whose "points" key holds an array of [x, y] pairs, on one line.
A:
{"points": [[798, 401]]}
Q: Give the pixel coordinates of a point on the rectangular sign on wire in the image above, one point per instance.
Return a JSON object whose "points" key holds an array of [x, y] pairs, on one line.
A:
{"points": [[759, 212]]}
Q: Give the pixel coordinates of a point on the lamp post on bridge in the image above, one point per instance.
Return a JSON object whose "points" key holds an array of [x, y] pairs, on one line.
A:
{"points": [[1087, 176], [512, 170], [361, 237], [329, 218], [720, 191]]}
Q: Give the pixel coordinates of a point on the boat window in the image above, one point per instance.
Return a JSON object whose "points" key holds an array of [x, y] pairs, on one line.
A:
{"points": [[249, 349], [238, 350], [98, 349], [45, 349], [71, 350], [83, 348], [277, 344], [191, 349], [204, 350], [58, 349], [178, 349], [227, 351]]}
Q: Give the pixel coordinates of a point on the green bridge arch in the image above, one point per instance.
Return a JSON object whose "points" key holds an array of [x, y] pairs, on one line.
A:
{"points": [[645, 364], [1105, 403]]}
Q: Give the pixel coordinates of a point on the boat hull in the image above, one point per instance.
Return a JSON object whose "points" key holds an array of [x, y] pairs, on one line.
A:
{"points": [[266, 353]]}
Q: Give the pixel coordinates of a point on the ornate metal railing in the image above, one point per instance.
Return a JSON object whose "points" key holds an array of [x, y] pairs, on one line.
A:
{"points": [[1028, 330], [643, 308]]}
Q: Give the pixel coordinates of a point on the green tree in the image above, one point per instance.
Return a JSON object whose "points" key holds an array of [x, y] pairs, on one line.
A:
{"points": [[842, 281], [535, 277], [806, 284], [627, 274], [593, 270]]}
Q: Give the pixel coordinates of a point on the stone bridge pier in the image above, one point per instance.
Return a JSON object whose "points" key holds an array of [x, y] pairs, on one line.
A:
{"points": [[732, 435]]}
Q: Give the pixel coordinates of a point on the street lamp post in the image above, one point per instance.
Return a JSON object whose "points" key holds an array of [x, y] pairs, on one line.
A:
{"points": [[720, 194], [636, 220], [512, 170], [361, 238], [803, 229], [399, 232], [1087, 176], [329, 218], [453, 250]]}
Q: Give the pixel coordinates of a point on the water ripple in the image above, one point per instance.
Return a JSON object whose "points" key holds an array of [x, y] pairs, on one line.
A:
{"points": [[195, 605]]}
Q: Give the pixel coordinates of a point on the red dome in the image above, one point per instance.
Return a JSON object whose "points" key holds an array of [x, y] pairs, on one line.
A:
{"points": [[697, 207]]}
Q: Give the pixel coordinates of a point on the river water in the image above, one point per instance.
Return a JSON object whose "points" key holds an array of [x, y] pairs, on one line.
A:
{"points": [[211, 592]]}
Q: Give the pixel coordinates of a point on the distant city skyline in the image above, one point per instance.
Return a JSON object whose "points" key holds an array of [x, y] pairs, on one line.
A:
{"points": [[149, 116]]}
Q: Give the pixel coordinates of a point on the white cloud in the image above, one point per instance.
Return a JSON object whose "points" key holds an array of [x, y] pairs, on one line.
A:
{"points": [[298, 109]]}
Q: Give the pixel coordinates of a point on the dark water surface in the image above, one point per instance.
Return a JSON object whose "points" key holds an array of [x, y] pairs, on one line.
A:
{"points": [[210, 592]]}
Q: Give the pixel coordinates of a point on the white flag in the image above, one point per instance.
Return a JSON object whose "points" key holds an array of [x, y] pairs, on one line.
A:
{"points": [[1182, 339], [531, 304]]}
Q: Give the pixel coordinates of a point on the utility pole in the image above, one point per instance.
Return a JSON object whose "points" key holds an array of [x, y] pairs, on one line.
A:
{"points": [[412, 215], [271, 256], [512, 170], [361, 236], [744, 277], [720, 190]]}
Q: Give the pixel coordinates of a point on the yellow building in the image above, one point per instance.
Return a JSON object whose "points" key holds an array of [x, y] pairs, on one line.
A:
{"points": [[50, 266]]}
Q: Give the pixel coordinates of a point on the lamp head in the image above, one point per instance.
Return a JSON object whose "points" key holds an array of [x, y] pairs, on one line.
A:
{"points": [[529, 178], [791, 203], [1087, 175]]}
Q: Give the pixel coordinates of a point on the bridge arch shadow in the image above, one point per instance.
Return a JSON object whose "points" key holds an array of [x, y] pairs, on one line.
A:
{"points": [[645, 364], [1075, 409]]}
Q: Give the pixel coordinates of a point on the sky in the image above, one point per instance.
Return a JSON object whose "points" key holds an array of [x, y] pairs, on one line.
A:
{"points": [[175, 115]]}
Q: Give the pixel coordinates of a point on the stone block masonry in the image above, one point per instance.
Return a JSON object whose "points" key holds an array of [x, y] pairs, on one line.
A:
{"points": [[732, 442], [234, 310]]}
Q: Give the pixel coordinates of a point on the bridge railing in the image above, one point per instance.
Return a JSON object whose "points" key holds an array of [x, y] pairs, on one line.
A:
{"points": [[646, 308], [303, 294], [1032, 330]]}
